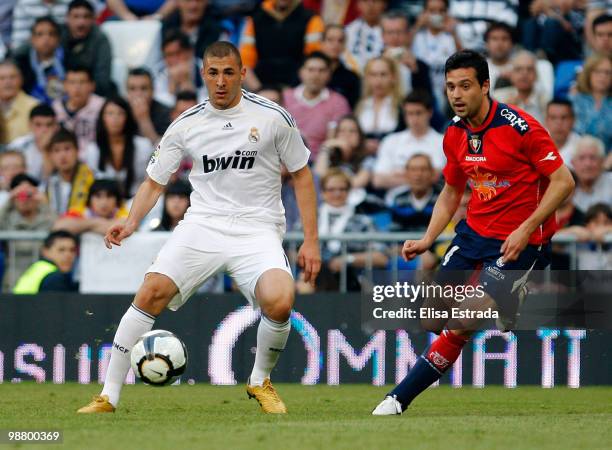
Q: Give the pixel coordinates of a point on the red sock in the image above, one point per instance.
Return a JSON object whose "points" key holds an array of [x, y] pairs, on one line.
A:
{"points": [[445, 350]]}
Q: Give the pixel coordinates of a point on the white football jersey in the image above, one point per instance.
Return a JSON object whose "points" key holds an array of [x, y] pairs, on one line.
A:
{"points": [[237, 155]]}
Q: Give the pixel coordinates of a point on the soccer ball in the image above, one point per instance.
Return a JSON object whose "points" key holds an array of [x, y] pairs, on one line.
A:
{"points": [[159, 358]]}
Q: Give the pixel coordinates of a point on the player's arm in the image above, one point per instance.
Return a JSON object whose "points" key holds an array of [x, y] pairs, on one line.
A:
{"points": [[309, 256], [561, 185], [444, 209], [146, 197]]}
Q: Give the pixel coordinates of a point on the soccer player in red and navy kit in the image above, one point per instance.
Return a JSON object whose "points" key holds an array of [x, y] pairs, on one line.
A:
{"points": [[517, 179]]}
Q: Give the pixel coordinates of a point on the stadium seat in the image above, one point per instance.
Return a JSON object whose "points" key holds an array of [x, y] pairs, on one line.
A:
{"points": [[134, 44], [565, 75]]}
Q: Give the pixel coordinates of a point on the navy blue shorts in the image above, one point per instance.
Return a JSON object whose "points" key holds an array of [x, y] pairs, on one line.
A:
{"points": [[474, 259]]}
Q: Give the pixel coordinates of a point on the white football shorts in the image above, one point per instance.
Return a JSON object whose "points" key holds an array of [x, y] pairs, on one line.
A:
{"points": [[197, 251]]}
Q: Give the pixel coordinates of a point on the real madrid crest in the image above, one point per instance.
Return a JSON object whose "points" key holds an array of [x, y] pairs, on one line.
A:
{"points": [[254, 135], [475, 143]]}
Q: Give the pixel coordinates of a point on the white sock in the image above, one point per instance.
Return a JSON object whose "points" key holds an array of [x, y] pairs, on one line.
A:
{"points": [[271, 340], [134, 323]]}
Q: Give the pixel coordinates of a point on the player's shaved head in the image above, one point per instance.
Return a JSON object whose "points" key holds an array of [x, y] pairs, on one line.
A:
{"points": [[222, 49], [223, 74]]}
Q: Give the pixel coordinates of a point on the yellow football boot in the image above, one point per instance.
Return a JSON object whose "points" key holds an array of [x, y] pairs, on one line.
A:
{"points": [[267, 397], [99, 404]]}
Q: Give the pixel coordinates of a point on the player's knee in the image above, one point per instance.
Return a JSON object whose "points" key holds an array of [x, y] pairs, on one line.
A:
{"points": [[154, 295], [278, 307], [432, 325]]}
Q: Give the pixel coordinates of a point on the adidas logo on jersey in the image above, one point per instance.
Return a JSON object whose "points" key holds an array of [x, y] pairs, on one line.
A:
{"points": [[240, 160], [228, 126]]}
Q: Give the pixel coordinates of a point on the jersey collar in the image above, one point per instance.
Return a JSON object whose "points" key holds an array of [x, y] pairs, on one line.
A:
{"points": [[230, 110]]}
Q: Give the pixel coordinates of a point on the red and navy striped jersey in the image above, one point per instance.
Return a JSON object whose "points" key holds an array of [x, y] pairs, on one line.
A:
{"points": [[506, 161]]}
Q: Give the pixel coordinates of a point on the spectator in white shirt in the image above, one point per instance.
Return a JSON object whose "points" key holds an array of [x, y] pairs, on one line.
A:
{"points": [[593, 185], [43, 125], [364, 35], [560, 123], [397, 148]]}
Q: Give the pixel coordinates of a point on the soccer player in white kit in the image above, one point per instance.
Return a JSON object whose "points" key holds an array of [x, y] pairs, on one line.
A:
{"points": [[237, 141]]}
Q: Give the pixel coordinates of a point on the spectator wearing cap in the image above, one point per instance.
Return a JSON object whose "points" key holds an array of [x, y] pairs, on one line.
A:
{"points": [[104, 205], [275, 40], [593, 184], [41, 61], [192, 17], [69, 183], [26, 211], [343, 80], [53, 271], [178, 71], [593, 102], [34, 146], [312, 104], [79, 109], [152, 117], [86, 45], [26, 12], [15, 105]]}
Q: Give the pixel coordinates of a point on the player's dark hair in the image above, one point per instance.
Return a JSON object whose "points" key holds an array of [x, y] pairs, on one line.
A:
{"points": [[561, 102], [602, 18], [81, 4], [176, 35], [50, 21], [186, 96], [597, 209], [109, 186], [140, 72], [500, 26], [318, 55], [64, 136], [421, 97], [465, 59], [42, 110], [59, 234], [79, 68], [129, 134], [221, 49]]}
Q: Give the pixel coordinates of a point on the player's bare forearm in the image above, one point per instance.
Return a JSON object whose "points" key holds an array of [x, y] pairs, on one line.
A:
{"points": [[444, 209], [309, 256], [307, 202], [147, 195], [561, 185]]}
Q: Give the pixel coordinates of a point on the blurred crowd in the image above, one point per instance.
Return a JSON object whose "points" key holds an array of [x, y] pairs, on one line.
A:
{"points": [[364, 80]]}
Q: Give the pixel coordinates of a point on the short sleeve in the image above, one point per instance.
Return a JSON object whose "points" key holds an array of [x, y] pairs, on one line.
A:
{"points": [[167, 157], [541, 150], [290, 145], [453, 174]]}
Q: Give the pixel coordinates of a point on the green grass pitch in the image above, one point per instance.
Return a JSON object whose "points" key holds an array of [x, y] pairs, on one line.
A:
{"points": [[320, 417]]}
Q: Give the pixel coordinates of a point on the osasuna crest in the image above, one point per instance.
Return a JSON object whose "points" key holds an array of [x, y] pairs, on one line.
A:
{"points": [[475, 144], [254, 136]]}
